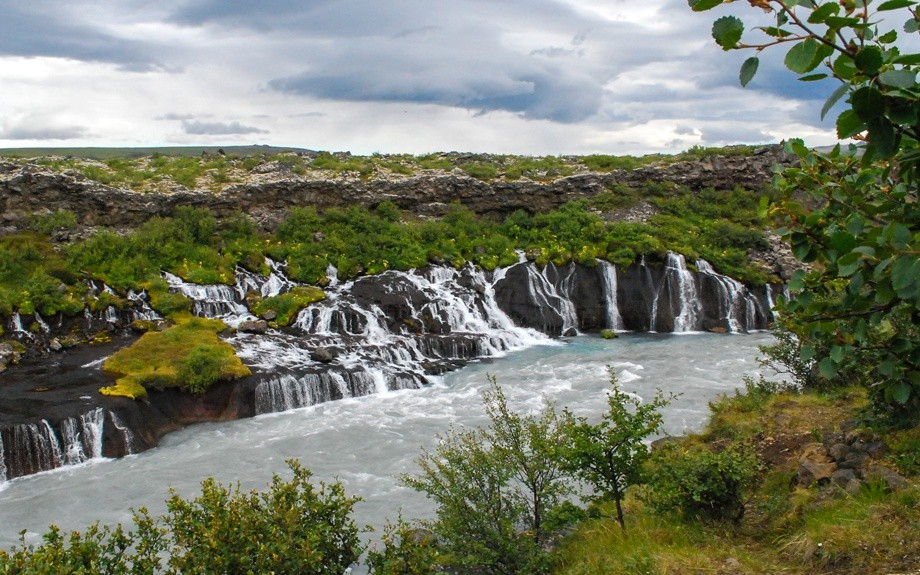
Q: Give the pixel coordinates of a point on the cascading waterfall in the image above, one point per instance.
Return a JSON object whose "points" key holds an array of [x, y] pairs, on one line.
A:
{"points": [[220, 301], [396, 330], [42, 446], [609, 275], [547, 296], [737, 305], [2, 461], [687, 316]]}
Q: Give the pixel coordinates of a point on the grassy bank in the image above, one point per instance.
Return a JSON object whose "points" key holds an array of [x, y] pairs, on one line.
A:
{"points": [[787, 526]]}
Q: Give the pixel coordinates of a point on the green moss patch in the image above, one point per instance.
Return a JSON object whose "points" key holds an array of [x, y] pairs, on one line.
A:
{"points": [[287, 305], [189, 355]]}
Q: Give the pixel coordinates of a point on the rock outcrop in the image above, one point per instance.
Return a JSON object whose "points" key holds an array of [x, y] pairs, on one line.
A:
{"points": [[31, 188]]}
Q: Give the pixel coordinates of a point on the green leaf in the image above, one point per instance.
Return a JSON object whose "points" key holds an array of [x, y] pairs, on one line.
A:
{"points": [[703, 5], [824, 12], [838, 353], [849, 124], [848, 264], [727, 31], [800, 59], [841, 22], [748, 69], [912, 25], [904, 272], [833, 99], [828, 368], [908, 59], [882, 137], [888, 37], [844, 67], [900, 392], [894, 5], [775, 32], [898, 78], [807, 352], [813, 77], [868, 103], [869, 60]]}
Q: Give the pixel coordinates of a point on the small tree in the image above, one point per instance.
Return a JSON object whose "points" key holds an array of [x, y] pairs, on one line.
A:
{"points": [[609, 455], [497, 490]]}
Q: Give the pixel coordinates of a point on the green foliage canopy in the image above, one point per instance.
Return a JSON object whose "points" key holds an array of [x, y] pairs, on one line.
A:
{"points": [[852, 215]]}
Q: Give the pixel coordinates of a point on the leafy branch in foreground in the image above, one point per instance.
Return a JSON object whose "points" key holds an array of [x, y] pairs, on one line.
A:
{"points": [[853, 215]]}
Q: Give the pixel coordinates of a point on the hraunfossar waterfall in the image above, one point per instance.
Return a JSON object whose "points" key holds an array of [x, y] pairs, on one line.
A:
{"points": [[387, 332], [363, 379]]}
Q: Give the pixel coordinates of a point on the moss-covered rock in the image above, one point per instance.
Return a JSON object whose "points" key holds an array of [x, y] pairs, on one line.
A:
{"points": [[189, 355], [287, 305]]}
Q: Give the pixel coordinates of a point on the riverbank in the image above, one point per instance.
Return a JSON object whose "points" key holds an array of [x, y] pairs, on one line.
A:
{"points": [[829, 496]]}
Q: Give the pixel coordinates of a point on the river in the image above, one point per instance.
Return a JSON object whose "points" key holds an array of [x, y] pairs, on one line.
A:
{"points": [[368, 442]]}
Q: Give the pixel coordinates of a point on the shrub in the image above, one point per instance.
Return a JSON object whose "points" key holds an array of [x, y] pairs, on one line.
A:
{"points": [[700, 483], [498, 490], [293, 527]]}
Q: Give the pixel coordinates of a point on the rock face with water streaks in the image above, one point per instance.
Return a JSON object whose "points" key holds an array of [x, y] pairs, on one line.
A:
{"points": [[375, 334]]}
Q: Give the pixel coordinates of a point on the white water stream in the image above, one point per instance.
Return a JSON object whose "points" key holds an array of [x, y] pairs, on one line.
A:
{"points": [[367, 442]]}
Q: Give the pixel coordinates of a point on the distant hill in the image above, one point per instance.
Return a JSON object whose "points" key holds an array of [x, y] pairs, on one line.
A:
{"points": [[108, 153]]}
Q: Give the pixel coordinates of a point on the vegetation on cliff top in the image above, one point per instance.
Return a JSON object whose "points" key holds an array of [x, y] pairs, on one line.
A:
{"points": [[173, 169], [37, 274]]}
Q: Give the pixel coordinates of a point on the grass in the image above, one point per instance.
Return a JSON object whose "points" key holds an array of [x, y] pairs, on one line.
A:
{"points": [[786, 529], [187, 355]]}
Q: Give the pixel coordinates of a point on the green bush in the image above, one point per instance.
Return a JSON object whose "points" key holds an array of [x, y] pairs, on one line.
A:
{"points": [[293, 527], [700, 483], [47, 223]]}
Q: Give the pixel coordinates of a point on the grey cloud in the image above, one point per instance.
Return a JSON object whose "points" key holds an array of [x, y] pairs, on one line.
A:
{"points": [[38, 132], [198, 128], [176, 116], [37, 29], [715, 136]]}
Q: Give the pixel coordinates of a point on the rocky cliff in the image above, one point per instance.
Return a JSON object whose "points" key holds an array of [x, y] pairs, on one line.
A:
{"points": [[30, 188]]}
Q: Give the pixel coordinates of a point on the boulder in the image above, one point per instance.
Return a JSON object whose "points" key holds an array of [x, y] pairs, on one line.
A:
{"points": [[270, 315], [815, 465], [894, 480], [254, 326], [323, 355]]}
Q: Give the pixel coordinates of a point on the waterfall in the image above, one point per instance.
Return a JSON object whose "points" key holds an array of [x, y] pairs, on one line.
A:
{"points": [[41, 323], [215, 301], [126, 433], [33, 447], [16, 326], [737, 306], [688, 305], [609, 276], [141, 309], [3, 474]]}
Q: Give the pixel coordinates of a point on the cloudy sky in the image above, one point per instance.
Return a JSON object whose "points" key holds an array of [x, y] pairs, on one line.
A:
{"points": [[517, 76]]}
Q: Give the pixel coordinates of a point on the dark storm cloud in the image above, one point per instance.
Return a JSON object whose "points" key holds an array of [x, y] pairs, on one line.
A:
{"points": [[43, 28], [199, 128]]}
